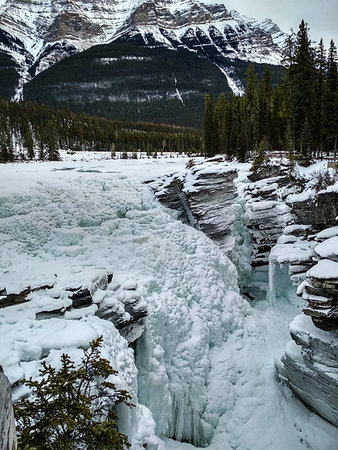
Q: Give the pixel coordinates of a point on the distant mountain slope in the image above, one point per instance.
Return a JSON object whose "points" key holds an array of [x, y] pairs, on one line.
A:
{"points": [[40, 33], [127, 80]]}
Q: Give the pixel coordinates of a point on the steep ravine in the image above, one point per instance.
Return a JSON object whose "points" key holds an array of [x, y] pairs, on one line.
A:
{"points": [[204, 368], [271, 234]]}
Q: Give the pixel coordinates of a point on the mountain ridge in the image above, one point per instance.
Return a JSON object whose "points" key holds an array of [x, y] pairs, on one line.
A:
{"points": [[45, 46], [40, 33]]}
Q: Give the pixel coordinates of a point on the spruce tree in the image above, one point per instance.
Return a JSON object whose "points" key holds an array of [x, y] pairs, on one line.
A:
{"points": [[221, 115], [331, 100], [210, 134], [72, 408], [302, 108], [251, 109], [265, 93], [319, 99]]}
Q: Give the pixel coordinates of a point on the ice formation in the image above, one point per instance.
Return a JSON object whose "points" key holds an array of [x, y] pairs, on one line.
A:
{"points": [[203, 369]]}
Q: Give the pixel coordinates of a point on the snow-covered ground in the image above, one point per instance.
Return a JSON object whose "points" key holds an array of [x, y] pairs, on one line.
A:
{"points": [[205, 364]]}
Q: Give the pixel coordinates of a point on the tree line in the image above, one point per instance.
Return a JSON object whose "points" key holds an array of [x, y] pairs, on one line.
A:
{"points": [[36, 131], [298, 116]]}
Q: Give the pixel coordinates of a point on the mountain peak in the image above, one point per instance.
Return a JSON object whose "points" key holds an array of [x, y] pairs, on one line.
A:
{"points": [[39, 33]]}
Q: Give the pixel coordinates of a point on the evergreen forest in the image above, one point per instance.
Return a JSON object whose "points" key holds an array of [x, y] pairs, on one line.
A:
{"points": [[298, 116], [36, 131]]}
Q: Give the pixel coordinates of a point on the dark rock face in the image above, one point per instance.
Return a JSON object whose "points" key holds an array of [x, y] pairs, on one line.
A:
{"points": [[81, 298], [268, 171], [320, 212], [204, 200], [7, 424]]}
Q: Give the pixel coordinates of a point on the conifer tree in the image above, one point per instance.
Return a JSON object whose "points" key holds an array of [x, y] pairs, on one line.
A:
{"points": [[332, 98], [251, 109], [319, 99], [72, 408], [209, 126], [221, 113], [265, 105], [302, 108], [261, 155], [27, 139]]}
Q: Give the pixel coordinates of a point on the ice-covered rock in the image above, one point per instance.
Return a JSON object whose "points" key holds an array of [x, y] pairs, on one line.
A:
{"points": [[121, 305], [266, 215], [7, 424], [289, 261], [126, 309], [321, 295]]}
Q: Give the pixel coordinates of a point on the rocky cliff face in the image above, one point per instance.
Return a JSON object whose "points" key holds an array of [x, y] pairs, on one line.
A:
{"points": [[203, 198], [306, 256], [7, 425], [310, 365], [319, 211]]}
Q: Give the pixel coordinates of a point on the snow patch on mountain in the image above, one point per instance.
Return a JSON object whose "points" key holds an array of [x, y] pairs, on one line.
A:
{"points": [[50, 31]]}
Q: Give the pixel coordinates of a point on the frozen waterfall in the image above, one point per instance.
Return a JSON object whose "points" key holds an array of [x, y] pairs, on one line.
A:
{"points": [[203, 371]]}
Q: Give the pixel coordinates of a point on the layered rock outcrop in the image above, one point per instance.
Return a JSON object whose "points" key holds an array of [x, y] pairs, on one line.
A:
{"points": [[7, 424], [310, 367], [266, 215], [320, 210], [310, 362], [122, 305], [203, 197]]}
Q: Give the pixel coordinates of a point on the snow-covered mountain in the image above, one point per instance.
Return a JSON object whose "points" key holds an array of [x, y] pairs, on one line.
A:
{"points": [[39, 33]]}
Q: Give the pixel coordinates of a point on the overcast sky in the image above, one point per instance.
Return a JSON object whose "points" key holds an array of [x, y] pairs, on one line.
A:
{"points": [[321, 15]]}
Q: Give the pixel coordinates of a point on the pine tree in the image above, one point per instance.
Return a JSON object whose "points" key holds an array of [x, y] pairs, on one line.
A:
{"points": [[72, 408]]}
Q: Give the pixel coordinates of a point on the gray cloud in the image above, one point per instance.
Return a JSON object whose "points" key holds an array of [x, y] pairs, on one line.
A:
{"points": [[321, 15]]}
